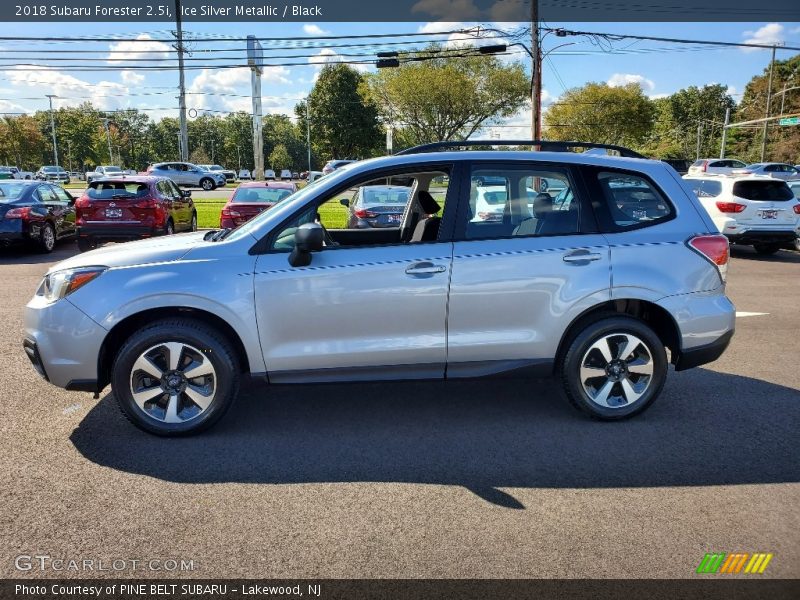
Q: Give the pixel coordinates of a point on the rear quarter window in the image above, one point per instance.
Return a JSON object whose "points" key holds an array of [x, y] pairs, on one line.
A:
{"points": [[705, 189], [633, 201], [762, 190]]}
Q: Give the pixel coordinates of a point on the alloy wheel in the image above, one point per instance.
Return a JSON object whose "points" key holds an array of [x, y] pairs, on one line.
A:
{"points": [[173, 382], [616, 370], [48, 238]]}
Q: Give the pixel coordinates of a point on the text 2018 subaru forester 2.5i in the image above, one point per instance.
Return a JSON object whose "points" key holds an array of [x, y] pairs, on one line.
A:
{"points": [[591, 285]]}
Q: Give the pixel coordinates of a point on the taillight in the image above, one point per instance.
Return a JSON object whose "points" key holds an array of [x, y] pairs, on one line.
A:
{"points": [[730, 207], [796, 209], [363, 213], [230, 213], [715, 249], [22, 212], [705, 166], [148, 203], [83, 202]]}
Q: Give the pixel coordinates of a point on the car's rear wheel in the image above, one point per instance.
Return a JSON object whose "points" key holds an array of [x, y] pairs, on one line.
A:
{"points": [[47, 237], [169, 229], [86, 244], [207, 184], [767, 249], [614, 368], [175, 377]]}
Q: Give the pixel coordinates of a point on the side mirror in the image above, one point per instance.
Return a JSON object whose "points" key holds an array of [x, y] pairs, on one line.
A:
{"points": [[186, 193], [307, 239], [344, 202], [71, 201]]}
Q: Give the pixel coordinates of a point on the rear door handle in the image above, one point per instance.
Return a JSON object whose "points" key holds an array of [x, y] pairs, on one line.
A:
{"points": [[425, 268], [581, 256]]}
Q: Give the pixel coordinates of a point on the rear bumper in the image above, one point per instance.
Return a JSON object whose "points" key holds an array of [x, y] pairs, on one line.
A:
{"points": [[755, 236], [694, 357], [117, 232]]}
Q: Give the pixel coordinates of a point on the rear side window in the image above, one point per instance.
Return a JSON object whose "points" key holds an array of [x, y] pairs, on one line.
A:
{"points": [[698, 163], [703, 188], [632, 200], [762, 190]]}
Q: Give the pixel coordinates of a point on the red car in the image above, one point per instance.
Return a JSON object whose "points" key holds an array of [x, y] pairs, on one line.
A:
{"points": [[130, 208], [251, 198]]}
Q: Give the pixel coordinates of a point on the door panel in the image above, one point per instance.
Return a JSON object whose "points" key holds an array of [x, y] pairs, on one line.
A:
{"points": [[355, 312]]}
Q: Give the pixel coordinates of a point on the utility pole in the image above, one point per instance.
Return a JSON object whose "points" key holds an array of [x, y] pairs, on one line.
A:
{"points": [[53, 128], [536, 73], [308, 133], [181, 82], [699, 133], [769, 100], [108, 139], [255, 59], [725, 132]]}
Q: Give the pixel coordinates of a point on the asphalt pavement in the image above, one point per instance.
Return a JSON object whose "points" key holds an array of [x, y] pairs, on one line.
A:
{"points": [[462, 479]]}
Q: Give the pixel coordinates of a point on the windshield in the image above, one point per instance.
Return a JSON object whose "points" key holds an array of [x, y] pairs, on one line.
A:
{"points": [[112, 169], [260, 194], [11, 191], [108, 190], [52, 169]]}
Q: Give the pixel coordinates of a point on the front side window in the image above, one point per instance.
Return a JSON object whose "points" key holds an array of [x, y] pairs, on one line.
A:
{"points": [[375, 212], [520, 202], [632, 200]]}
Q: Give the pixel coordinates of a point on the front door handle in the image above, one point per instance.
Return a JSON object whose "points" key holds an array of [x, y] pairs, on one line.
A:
{"points": [[581, 256], [425, 268]]}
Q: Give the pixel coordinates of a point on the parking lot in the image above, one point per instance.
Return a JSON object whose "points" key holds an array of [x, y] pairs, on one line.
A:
{"points": [[490, 478]]}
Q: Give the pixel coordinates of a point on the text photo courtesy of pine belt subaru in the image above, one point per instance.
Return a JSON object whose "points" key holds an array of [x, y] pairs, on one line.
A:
{"points": [[593, 290], [131, 208]]}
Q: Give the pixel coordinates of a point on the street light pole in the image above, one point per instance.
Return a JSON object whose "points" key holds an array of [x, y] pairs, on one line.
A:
{"points": [[53, 128], [769, 99], [308, 133], [184, 156], [108, 139], [536, 73]]}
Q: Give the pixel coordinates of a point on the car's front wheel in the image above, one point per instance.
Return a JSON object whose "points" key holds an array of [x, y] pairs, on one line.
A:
{"points": [[193, 226], [614, 368], [175, 377]]}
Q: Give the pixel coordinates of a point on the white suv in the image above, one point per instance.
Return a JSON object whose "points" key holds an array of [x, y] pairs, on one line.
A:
{"points": [[753, 210], [718, 166]]}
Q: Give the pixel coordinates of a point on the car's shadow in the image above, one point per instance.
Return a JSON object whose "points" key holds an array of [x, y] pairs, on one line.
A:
{"points": [[708, 428], [29, 254]]}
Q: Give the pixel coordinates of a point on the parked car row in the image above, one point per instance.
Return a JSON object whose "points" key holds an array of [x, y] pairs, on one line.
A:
{"points": [[729, 166]]}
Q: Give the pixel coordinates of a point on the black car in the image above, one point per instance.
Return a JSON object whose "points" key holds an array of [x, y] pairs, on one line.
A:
{"points": [[37, 212], [679, 164], [377, 206]]}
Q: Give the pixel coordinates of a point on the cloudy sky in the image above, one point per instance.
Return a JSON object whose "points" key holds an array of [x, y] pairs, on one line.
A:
{"points": [[660, 68]]}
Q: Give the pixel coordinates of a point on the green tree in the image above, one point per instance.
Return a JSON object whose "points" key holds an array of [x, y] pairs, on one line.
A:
{"points": [[679, 115], [600, 113], [446, 97], [21, 140], [238, 140], [280, 158], [343, 123]]}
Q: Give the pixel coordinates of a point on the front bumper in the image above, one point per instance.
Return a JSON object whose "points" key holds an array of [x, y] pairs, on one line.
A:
{"points": [[62, 343]]}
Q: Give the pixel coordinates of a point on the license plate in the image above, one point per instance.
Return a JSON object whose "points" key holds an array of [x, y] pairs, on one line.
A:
{"points": [[394, 218], [113, 213], [769, 214]]}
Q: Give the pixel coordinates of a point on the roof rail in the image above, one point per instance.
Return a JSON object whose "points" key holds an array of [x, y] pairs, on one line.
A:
{"points": [[556, 146]]}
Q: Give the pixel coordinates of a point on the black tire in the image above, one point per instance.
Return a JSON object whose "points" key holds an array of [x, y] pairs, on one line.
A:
{"points": [[169, 228], [214, 347], [796, 244], [193, 225], [614, 327], [86, 244], [208, 184], [47, 238], [767, 249]]}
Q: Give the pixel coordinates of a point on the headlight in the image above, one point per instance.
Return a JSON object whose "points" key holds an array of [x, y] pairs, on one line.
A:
{"points": [[62, 283]]}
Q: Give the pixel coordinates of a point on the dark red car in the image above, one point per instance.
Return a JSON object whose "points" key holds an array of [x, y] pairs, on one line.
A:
{"points": [[130, 208], [251, 198]]}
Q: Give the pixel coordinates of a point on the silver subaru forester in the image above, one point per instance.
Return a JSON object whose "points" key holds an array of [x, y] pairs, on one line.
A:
{"points": [[583, 266]]}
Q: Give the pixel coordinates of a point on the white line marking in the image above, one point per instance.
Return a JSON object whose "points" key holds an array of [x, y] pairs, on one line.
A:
{"points": [[741, 313], [71, 409]]}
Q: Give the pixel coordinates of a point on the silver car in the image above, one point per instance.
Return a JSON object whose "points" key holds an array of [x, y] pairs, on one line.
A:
{"points": [[775, 170], [188, 175], [592, 289]]}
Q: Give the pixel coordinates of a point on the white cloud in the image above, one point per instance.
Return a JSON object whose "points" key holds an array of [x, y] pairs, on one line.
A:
{"points": [[768, 35], [312, 29], [144, 49], [212, 82], [327, 56], [622, 79], [131, 77], [105, 95], [517, 127], [7, 106]]}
